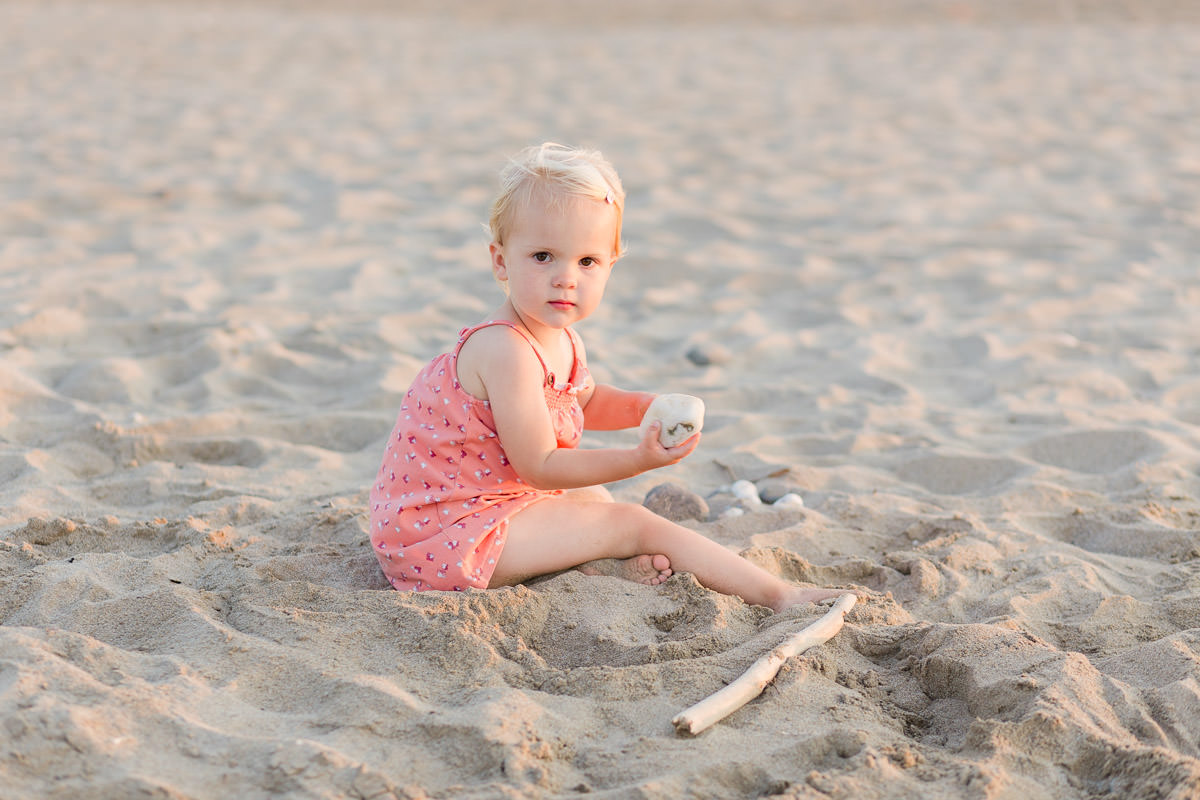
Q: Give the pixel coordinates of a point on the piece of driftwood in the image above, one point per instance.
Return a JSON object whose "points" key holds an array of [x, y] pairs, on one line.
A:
{"points": [[751, 683]]}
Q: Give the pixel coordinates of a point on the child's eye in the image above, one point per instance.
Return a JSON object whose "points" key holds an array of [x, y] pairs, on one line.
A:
{"points": [[541, 257], [587, 262]]}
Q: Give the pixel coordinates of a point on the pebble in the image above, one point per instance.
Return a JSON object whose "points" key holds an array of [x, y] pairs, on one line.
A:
{"points": [[789, 500], [707, 355], [746, 492], [675, 503], [771, 489]]}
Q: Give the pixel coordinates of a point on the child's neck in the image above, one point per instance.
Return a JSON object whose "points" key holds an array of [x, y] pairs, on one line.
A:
{"points": [[554, 342], [549, 338]]}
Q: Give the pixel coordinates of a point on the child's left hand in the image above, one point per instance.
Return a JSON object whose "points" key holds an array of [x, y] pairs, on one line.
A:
{"points": [[653, 455]]}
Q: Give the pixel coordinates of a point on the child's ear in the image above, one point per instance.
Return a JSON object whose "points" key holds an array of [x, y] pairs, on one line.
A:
{"points": [[499, 269]]}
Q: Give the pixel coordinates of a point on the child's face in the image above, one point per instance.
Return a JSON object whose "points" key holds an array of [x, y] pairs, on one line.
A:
{"points": [[557, 259]]}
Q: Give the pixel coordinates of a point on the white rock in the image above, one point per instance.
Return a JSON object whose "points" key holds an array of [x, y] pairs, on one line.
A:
{"points": [[681, 415], [747, 492], [789, 500], [731, 512]]}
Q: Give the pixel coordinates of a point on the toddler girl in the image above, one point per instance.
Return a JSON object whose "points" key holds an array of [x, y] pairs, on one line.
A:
{"points": [[481, 483]]}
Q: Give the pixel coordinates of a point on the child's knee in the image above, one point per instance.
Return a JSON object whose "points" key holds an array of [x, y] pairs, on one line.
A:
{"points": [[637, 521]]}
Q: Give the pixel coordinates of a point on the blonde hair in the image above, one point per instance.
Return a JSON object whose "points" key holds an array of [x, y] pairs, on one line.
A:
{"points": [[562, 171]]}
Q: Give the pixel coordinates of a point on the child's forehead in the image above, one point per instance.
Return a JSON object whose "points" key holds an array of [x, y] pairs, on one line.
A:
{"points": [[547, 205], [541, 198]]}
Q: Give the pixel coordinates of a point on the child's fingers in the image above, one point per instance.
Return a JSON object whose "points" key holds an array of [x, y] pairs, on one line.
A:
{"points": [[671, 455], [685, 448], [650, 437]]}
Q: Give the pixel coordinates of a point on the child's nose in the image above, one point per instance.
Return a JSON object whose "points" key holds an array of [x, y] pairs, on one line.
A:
{"points": [[566, 278]]}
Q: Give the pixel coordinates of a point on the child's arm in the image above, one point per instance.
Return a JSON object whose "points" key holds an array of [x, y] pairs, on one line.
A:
{"points": [[609, 408], [513, 378]]}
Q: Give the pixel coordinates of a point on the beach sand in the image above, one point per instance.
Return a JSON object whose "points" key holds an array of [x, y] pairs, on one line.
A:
{"points": [[931, 266]]}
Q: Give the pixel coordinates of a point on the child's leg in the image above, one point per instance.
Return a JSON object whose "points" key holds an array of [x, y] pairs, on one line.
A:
{"points": [[651, 569], [594, 494], [561, 532]]}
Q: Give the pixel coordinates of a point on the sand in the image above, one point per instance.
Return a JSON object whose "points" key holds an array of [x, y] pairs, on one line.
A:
{"points": [[930, 265]]}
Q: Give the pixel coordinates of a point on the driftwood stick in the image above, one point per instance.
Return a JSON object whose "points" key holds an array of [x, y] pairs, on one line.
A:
{"points": [[750, 683]]}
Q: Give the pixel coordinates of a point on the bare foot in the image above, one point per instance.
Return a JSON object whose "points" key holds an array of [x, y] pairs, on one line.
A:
{"points": [[796, 595], [648, 569]]}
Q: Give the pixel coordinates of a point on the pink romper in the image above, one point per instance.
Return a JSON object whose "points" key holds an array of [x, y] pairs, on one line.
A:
{"points": [[445, 491]]}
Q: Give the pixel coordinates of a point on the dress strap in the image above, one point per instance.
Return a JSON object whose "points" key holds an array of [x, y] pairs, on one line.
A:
{"points": [[537, 351]]}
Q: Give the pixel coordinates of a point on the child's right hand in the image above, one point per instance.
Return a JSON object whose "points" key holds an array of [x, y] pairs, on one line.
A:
{"points": [[653, 455]]}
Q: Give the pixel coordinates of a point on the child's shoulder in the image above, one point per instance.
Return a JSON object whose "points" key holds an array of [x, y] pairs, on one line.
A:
{"points": [[491, 351], [495, 337]]}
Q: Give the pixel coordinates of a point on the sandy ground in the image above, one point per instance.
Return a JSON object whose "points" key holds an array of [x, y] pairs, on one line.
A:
{"points": [[932, 266]]}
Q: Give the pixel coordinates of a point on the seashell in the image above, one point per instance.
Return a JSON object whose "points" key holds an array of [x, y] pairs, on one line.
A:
{"points": [[681, 415], [747, 492]]}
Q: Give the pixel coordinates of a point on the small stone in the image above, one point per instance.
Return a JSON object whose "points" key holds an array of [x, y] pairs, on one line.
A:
{"points": [[697, 356], [707, 355], [732, 511], [771, 489], [747, 492], [789, 500], [675, 503]]}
